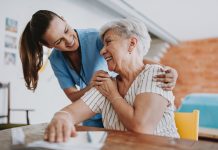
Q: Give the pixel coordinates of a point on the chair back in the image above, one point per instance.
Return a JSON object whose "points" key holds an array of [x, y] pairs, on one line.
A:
{"points": [[7, 87], [8, 124], [187, 124]]}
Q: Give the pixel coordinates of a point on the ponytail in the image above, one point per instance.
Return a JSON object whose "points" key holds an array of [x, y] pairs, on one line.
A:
{"points": [[31, 55], [31, 51]]}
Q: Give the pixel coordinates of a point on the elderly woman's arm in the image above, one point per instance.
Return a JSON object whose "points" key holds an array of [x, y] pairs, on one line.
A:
{"points": [[62, 127], [145, 114], [149, 104]]}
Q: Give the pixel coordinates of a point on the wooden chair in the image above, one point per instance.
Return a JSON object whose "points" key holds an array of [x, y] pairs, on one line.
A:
{"points": [[187, 124], [9, 109]]}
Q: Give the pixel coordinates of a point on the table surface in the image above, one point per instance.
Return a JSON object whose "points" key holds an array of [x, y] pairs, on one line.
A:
{"points": [[115, 140], [208, 133]]}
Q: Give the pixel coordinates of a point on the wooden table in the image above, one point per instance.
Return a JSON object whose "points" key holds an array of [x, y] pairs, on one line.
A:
{"points": [[115, 140], [208, 133]]}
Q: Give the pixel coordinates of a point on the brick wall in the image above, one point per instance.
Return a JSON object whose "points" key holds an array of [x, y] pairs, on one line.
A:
{"points": [[197, 65]]}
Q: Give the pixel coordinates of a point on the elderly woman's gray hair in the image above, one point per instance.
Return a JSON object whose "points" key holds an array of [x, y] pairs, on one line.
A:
{"points": [[127, 28]]}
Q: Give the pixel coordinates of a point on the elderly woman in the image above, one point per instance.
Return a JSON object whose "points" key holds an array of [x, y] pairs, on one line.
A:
{"points": [[132, 101]]}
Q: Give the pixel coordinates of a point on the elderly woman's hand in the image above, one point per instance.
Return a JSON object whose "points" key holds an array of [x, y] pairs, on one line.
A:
{"points": [[108, 87], [98, 77], [168, 78], [61, 128]]}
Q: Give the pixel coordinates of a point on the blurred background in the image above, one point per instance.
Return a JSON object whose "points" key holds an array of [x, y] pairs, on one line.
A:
{"points": [[184, 36]]}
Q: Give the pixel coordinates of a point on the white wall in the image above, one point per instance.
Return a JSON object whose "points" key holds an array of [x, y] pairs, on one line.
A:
{"points": [[185, 19], [48, 97]]}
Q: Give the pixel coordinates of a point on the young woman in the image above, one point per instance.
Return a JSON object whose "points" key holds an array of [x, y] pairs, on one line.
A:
{"points": [[75, 59]]}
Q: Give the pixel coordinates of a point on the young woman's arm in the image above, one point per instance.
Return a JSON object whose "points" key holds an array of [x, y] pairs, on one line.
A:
{"points": [[74, 94], [167, 78]]}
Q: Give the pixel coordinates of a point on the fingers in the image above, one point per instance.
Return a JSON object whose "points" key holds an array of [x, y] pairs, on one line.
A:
{"points": [[163, 79], [46, 134], [167, 76], [167, 86], [170, 71], [102, 74], [59, 130], [166, 68], [51, 134], [160, 76], [66, 132], [73, 131], [59, 133], [101, 81], [99, 77]]}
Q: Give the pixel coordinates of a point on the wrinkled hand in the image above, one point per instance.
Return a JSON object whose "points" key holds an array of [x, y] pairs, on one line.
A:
{"points": [[108, 87], [60, 129], [98, 77], [168, 78]]}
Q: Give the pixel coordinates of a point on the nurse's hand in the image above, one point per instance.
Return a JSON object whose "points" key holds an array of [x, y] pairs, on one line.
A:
{"points": [[167, 78], [61, 128], [98, 77]]}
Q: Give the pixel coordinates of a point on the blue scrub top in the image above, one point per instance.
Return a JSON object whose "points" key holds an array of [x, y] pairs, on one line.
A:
{"points": [[92, 61]]}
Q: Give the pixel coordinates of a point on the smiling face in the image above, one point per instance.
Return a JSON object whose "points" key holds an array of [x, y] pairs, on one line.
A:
{"points": [[61, 36], [116, 50]]}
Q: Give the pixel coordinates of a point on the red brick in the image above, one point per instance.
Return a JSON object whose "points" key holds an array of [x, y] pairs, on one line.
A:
{"points": [[197, 65]]}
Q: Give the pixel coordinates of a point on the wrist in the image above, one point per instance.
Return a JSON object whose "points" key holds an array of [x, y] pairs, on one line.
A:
{"points": [[115, 98], [69, 116]]}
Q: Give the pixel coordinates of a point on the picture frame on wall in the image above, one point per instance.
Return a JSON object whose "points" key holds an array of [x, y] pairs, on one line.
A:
{"points": [[11, 25], [10, 41], [9, 58]]}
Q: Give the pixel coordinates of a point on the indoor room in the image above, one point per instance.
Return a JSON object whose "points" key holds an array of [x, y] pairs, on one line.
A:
{"points": [[108, 74]]}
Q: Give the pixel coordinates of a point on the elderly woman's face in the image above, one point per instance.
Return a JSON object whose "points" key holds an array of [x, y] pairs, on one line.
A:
{"points": [[115, 50]]}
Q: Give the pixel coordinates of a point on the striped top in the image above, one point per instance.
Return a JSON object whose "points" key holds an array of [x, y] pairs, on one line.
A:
{"points": [[143, 83]]}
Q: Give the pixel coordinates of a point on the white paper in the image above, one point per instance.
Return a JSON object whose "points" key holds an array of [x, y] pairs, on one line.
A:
{"points": [[18, 136], [81, 142]]}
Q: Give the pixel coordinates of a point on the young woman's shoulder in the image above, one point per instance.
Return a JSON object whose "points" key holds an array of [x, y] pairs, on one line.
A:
{"points": [[55, 55], [87, 31]]}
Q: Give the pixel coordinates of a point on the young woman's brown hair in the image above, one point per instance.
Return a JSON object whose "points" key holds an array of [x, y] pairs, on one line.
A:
{"points": [[31, 50]]}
